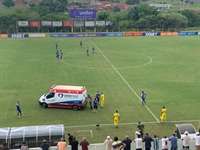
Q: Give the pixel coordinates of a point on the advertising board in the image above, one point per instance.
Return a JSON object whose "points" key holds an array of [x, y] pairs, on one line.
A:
{"points": [[68, 23], [35, 23], [187, 33], [78, 23], [88, 35], [83, 13], [18, 35], [46, 23], [59, 35], [114, 34], [168, 33], [151, 34], [33, 35], [100, 23], [89, 23], [3, 35], [23, 23], [57, 23], [133, 34]]}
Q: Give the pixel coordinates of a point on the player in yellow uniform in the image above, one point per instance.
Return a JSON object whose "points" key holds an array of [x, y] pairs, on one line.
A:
{"points": [[102, 99], [116, 118], [163, 114]]}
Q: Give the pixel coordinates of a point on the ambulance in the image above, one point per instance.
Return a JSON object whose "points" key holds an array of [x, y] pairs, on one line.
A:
{"points": [[65, 96]]}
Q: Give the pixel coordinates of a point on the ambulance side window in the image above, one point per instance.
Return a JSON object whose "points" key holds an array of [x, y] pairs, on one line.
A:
{"points": [[50, 95]]}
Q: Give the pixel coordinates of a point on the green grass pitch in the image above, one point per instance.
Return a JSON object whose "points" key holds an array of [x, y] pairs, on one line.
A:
{"points": [[166, 68]]}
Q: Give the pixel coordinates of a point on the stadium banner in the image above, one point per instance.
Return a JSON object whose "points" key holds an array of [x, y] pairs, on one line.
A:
{"points": [[109, 23], [18, 35], [33, 35], [83, 13], [23, 23], [88, 35], [133, 34], [35, 23], [68, 23], [78, 23], [114, 34], [89, 23], [187, 33], [100, 23], [57, 23], [46, 23], [151, 34], [3, 35], [59, 35], [168, 33]]}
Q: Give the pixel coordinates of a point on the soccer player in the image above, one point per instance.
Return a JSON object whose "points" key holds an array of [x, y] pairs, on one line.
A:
{"points": [[116, 118], [81, 43], [143, 96], [98, 96], [87, 51], [93, 50], [95, 105], [61, 54], [57, 54], [102, 99], [19, 112], [163, 114], [56, 45]]}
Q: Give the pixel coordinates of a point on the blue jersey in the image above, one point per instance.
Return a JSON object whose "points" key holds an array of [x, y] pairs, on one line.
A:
{"points": [[143, 95], [18, 107], [98, 96], [80, 42], [95, 103]]}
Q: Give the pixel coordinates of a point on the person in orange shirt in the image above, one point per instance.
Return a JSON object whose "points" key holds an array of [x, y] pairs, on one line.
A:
{"points": [[62, 145]]}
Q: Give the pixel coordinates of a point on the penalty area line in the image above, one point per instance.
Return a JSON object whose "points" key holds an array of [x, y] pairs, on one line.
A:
{"points": [[124, 79]]}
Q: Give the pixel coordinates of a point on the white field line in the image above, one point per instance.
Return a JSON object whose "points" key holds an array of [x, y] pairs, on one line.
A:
{"points": [[124, 80], [130, 123], [87, 131]]}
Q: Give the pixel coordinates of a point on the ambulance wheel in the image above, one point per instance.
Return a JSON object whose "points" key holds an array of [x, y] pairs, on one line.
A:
{"points": [[75, 108], [44, 105]]}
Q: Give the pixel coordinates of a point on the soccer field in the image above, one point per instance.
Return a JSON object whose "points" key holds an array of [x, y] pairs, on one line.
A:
{"points": [[166, 68]]}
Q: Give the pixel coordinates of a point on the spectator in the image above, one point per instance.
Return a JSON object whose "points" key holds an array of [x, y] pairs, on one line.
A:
{"points": [[155, 143], [138, 142], [186, 140], [4, 147], [128, 142], [108, 143], [24, 146], [70, 138], [141, 128], [174, 144], [74, 144], [90, 101], [44, 145], [164, 143], [197, 141], [62, 145], [84, 144], [117, 145], [147, 139]]}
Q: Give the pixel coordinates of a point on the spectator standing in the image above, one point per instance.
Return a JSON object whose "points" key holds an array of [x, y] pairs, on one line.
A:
{"points": [[197, 141], [4, 147], [95, 105], [90, 101], [24, 146], [138, 142], [143, 97], [186, 140], [44, 145], [155, 143], [102, 99], [164, 143], [141, 129], [70, 138], [62, 145], [117, 145], [84, 144], [108, 142], [174, 144], [116, 118], [18, 108], [74, 144], [128, 142], [147, 140]]}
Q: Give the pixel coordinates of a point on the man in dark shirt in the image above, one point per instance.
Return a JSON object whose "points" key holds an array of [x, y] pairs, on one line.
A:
{"points": [[147, 139], [128, 142], [70, 138], [44, 145], [74, 144]]}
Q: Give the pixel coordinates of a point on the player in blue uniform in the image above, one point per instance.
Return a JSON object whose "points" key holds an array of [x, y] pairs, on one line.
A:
{"points": [[93, 50], [143, 96], [56, 45], [19, 112], [95, 105], [57, 54], [98, 96]]}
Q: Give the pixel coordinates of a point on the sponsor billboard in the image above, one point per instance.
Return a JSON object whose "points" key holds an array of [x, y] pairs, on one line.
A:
{"points": [[78, 23], [35, 23], [17, 35], [3, 35], [87, 35], [57, 23], [83, 13], [58, 35], [100, 23], [23, 23], [46, 23], [109, 23], [187, 33], [151, 34], [33, 35], [68, 23], [114, 34], [89, 23], [168, 33], [133, 34]]}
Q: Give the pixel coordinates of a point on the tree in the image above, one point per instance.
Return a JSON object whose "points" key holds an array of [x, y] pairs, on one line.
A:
{"points": [[116, 9], [132, 2], [191, 16], [103, 15], [8, 3]]}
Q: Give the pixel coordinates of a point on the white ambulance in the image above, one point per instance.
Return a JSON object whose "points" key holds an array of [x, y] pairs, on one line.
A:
{"points": [[65, 96]]}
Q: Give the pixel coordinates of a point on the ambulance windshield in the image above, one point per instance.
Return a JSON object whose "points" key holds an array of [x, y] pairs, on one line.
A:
{"points": [[50, 95]]}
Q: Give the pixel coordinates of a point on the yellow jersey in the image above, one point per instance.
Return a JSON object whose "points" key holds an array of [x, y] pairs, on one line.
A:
{"points": [[102, 97], [116, 115], [164, 111]]}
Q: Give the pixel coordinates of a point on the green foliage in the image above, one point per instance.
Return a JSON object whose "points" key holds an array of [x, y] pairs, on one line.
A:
{"points": [[132, 2], [8, 3], [103, 15], [193, 18], [116, 9]]}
